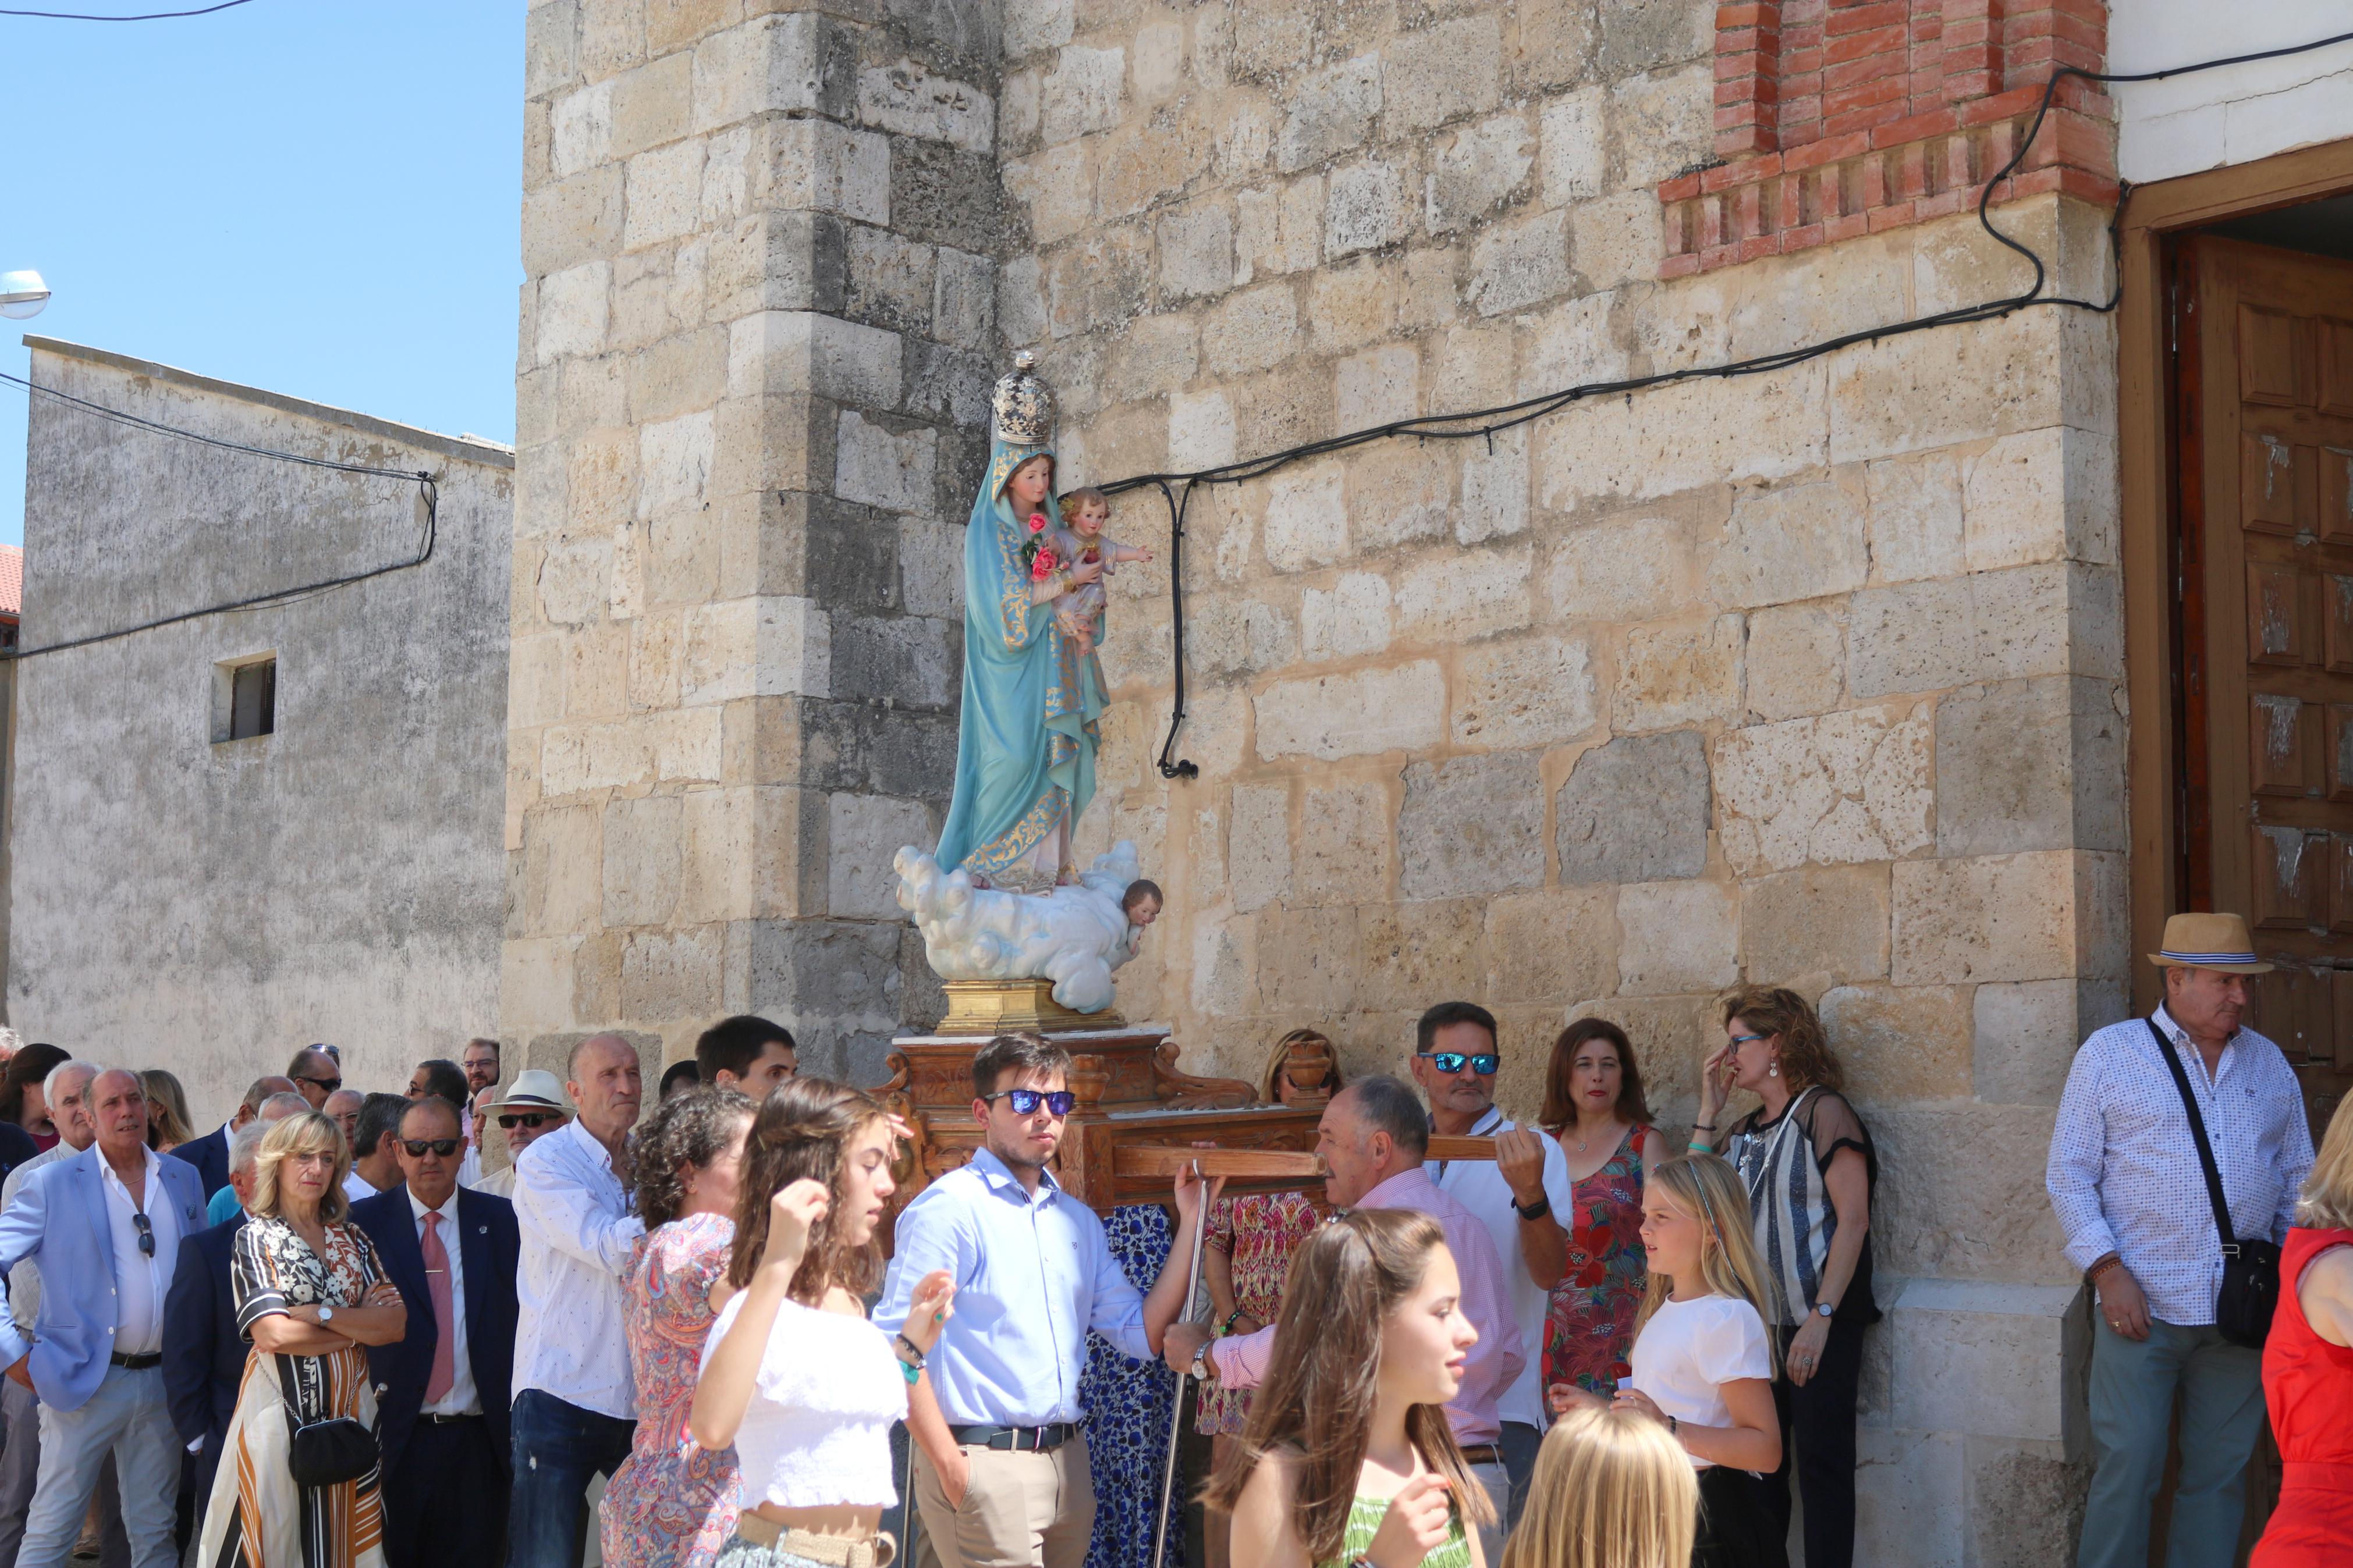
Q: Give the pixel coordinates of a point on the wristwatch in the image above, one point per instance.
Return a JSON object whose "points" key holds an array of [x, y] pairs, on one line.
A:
{"points": [[326, 1314], [1534, 1211], [1824, 1310], [1203, 1368]]}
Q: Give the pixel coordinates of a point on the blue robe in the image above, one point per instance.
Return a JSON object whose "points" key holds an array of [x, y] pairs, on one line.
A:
{"points": [[1025, 739]]}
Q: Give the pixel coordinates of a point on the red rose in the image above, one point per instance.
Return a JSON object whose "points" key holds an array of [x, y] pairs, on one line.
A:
{"points": [[1044, 566], [1036, 522]]}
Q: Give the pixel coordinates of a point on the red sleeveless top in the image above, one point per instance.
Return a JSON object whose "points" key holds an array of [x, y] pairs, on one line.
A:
{"points": [[2308, 1386]]}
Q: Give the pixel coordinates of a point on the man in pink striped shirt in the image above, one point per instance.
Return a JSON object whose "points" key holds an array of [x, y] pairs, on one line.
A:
{"points": [[1373, 1137]]}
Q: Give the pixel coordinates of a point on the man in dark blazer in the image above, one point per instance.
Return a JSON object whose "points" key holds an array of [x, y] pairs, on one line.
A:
{"points": [[454, 1254], [204, 1353], [209, 1154]]}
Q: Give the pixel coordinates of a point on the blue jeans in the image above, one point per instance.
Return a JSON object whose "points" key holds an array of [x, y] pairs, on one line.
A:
{"points": [[125, 1418], [1519, 1443], [558, 1449], [2134, 1385]]}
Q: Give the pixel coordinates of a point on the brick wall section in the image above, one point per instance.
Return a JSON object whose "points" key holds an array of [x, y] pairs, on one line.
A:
{"points": [[1836, 117]]}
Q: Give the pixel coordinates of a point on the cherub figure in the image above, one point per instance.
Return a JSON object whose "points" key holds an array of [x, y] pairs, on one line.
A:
{"points": [[1141, 905], [1080, 540]]}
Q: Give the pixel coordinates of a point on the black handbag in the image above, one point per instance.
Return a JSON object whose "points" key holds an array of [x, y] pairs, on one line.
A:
{"points": [[2251, 1268], [324, 1453]]}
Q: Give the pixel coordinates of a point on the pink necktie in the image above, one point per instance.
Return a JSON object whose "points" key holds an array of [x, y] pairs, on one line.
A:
{"points": [[437, 1280]]}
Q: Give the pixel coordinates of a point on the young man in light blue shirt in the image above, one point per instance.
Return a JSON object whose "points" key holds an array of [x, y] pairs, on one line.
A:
{"points": [[1001, 1465]]}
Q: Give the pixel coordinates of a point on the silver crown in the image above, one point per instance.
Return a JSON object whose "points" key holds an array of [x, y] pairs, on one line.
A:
{"points": [[1021, 407]]}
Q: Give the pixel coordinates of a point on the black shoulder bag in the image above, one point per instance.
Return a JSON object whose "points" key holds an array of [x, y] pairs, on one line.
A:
{"points": [[2251, 1269], [328, 1452]]}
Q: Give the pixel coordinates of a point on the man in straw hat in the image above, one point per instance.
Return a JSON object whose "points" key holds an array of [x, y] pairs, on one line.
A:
{"points": [[2126, 1182], [533, 1108]]}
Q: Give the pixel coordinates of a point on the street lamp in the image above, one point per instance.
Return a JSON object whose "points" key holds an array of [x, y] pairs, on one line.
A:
{"points": [[22, 294]]}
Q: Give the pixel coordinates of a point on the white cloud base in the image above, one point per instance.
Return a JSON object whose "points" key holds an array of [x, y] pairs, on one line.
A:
{"points": [[1072, 936]]}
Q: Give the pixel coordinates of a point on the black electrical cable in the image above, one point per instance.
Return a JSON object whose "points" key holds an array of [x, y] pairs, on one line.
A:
{"points": [[150, 17], [427, 490], [1485, 423]]}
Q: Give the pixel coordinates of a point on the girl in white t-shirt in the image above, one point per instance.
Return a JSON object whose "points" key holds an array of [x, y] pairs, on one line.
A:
{"points": [[1702, 1363]]}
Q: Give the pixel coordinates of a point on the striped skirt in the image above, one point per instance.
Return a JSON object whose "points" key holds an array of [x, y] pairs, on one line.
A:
{"points": [[257, 1517]]}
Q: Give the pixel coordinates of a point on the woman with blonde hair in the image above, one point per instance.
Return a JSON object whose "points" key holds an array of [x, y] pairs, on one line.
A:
{"points": [[1612, 1489], [310, 1294], [167, 1110], [1348, 1455], [2309, 1367]]}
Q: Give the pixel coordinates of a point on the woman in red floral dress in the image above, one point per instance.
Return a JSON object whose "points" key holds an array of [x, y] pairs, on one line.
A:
{"points": [[1594, 1106]]}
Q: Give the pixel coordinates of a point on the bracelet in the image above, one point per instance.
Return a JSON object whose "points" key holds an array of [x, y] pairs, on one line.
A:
{"points": [[1696, 1147], [913, 1373], [1705, 1126], [1231, 1319], [909, 1356]]}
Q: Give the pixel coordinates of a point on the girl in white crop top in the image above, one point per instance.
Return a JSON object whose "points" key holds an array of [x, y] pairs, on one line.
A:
{"points": [[793, 1375]]}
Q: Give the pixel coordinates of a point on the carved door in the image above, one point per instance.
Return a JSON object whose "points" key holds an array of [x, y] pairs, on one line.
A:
{"points": [[2266, 410]]}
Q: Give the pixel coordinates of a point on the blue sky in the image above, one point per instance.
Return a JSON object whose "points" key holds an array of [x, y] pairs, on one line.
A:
{"points": [[316, 196]]}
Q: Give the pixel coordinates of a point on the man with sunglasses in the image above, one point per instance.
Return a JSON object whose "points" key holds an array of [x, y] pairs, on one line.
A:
{"points": [[1000, 1462], [1521, 1197], [532, 1110], [442, 1392], [316, 1075], [105, 1226]]}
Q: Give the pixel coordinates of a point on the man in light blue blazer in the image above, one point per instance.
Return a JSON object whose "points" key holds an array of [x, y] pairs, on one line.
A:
{"points": [[105, 1226]]}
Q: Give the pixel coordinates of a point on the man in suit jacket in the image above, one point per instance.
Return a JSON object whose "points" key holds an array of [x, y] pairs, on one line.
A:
{"points": [[105, 1226], [209, 1154], [442, 1392], [203, 1352]]}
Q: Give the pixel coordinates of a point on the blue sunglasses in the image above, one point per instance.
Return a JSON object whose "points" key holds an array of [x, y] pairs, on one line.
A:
{"points": [[1483, 1064], [1027, 1100]]}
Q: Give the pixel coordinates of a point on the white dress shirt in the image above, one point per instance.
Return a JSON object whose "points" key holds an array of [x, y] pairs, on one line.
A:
{"points": [[2123, 1174], [577, 1233], [141, 1279], [25, 1280], [1479, 1187], [358, 1187], [462, 1398]]}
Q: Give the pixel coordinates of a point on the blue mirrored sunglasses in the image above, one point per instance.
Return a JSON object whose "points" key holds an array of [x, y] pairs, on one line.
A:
{"points": [[1483, 1064], [1027, 1100]]}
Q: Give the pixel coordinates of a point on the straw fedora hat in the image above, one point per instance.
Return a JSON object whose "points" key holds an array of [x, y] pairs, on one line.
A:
{"points": [[532, 1090], [2209, 942]]}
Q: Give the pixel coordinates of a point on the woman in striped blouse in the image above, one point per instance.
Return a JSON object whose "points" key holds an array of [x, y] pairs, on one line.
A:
{"points": [[1809, 1164]]}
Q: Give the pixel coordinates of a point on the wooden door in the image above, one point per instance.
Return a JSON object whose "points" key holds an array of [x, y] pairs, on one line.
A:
{"points": [[2267, 445]]}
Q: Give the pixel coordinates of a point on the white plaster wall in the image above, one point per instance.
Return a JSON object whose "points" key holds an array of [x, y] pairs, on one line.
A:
{"points": [[210, 908], [2210, 119]]}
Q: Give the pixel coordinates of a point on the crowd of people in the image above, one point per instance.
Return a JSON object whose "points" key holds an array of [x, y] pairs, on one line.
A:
{"points": [[322, 1333]]}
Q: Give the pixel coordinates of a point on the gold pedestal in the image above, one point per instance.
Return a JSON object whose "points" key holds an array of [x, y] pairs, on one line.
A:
{"points": [[1001, 1006]]}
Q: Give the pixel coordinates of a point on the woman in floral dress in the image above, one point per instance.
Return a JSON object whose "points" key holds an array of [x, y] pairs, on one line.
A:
{"points": [[1594, 1106], [673, 1503]]}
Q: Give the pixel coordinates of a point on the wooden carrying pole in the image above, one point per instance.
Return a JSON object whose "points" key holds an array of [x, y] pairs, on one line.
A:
{"points": [[1176, 1406]]}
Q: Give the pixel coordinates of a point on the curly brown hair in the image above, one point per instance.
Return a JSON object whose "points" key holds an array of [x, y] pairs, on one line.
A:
{"points": [[800, 1134], [1807, 1061], [685, 1131]]}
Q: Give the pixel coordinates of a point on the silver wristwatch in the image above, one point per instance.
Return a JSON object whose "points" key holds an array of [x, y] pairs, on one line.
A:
{"points": [[1824, 1310], [326, 1314]]}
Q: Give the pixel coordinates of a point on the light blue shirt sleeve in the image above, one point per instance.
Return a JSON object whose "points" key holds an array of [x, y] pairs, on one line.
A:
{"points": [[2078, 1150], [930, 1236]]}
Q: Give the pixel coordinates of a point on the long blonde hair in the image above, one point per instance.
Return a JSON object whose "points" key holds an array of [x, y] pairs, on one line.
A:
{"points": [[2327, 1203], [1709, 1191], [303, 1134], [1612, 1489]]}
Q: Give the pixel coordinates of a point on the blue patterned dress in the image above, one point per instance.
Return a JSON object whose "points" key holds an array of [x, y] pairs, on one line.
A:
{"points": [[1128, 1405]]}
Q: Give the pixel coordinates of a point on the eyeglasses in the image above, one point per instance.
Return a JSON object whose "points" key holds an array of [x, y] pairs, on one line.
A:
{"points": [[1026, 1101], [534, 1120], [329, 1084], [138, 1222], [1485, 1063], [1739, 1041], [444, 1147]]}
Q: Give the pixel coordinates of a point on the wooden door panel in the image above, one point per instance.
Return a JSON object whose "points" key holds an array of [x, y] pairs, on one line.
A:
{"points": [[2270, 469], [2336, 622], [2283, 733], [2267, 358], [2336, 367], [2333, 502], [2277, 619]]}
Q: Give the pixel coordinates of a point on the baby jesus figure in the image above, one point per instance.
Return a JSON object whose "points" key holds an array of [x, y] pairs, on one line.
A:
{"points": [[1078, 540]]}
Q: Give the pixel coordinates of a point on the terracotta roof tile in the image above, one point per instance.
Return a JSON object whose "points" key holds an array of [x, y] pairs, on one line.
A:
{"points": [[12, 579]]}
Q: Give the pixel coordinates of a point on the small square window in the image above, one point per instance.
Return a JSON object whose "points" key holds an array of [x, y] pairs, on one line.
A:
{"points": [[245, 697]]}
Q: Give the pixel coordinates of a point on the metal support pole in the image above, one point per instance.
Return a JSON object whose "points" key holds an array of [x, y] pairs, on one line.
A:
{"points": [[1176, 1406]]}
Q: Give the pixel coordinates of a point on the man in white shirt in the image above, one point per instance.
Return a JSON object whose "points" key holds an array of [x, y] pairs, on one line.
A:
{"points": [[575, 1409], [1523, 1197], [106, 1225], [533, 1109], [443, 1391]]}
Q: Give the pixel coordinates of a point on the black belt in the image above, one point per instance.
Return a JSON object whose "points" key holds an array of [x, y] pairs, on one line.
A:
{"points": [[137, 1362], [1019, 1439], [1481, 1454], [440, 1420]]}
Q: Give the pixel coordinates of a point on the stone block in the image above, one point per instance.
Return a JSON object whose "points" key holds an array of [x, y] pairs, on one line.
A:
{"points": [[1034, 24], [569, 223], [1635, 569], [1443, 73], [1259, 851], [1474, 594], [1910, 1498], [1253, 329], [1826, 920], [1396, 496], [1348, 618], [1197, 251], [1677, 674], [1364, 207], [1083, 92], [1351, 305], [723, 861], [1376, 387], [1677, 937], [1102, 281], [1494, 488], [1156, 356], [575, 580], [2027, 1033], [810, 353], [1200, 429], [1917, 527], [877, 466], [674, 461], [1021, 301], [1409, 952], [1684, 436], [1143, 166], [818, 166], [1844, 788], [1306, 520], [1532, 692], [1616, 240], [775, 646], [580, 129], [1354, 715], [1791, 543], [1224, 969], [1575, 146], [574, 310], [2024, 1495], [905, 661], [1518, 265], [1983, 1360], [1960, 1194], [1570, 345], [2040, 495], [1476, 172], [1973, 383], [1278, 229], [792, 64], [2057, 618], [1330, 113], [690, 745], [1343, 844], [863, 833], [2033, 764], [1552, 946], [835, 974], [1159, 64], [1304, 962], [551, 47], [1900, 1044], [1796, 660], [891, 279], [1472, 826], [1635, 810], [964, 301], [574, 758], [1553, 45], [653, 104], [644, 849], [562, 860], [2048, 915], [1055, 190], [905, 99]]}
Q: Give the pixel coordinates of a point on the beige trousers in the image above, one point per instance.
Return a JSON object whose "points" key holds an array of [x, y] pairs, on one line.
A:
{"points": [[1021, 1511]]}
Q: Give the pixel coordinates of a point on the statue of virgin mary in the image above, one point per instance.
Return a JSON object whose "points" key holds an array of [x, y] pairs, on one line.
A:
{"points": [[1026, 741]]}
